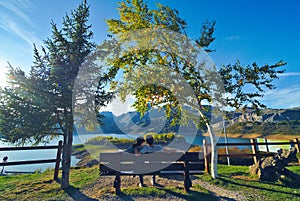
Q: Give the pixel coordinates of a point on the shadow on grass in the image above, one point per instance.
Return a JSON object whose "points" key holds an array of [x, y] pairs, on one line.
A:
{"points": [[76, 195], [258, 187], [191, 196], [177, 177]]}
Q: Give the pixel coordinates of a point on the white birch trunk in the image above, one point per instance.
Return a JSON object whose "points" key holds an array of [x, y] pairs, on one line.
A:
{"points": [[214, 153], [214, 150]]}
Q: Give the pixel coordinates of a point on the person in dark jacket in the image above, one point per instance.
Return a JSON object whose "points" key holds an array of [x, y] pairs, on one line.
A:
{"points": [[137, 146]]}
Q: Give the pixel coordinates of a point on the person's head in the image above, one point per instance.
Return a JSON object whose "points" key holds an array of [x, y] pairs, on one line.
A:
{"points": [[140, 141], [149, 140], [5, 158]]}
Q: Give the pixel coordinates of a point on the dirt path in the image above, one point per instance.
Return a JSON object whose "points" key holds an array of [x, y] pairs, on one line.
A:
{"points": [[221, 193], [102, 189]]}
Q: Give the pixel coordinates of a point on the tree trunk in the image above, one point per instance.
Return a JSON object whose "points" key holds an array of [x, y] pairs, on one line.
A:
{"points": [[67, 151], [214, 150], [214, 153]]}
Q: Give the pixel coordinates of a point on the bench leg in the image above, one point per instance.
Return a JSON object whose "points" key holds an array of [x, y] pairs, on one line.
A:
{"points": [[141, 181], [117, 184], [190, 183], [187, 183]]}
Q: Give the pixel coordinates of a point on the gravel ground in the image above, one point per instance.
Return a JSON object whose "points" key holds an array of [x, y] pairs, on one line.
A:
{"points": [[103, 189], [221, 193]]}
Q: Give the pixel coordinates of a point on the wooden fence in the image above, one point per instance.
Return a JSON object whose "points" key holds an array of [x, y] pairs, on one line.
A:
{"points": [[54, 160], [255, 152]]}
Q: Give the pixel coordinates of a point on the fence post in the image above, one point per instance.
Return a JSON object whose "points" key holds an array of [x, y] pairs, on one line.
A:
{"points": [[267, 146], [187, 180], [297, 146], [206, 156], [58, 159], [254, 150]]}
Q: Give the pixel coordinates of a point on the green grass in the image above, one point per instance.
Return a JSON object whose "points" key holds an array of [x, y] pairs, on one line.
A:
{"points": [[295, 169], [145, 192], [238, 178], [196, 193], [41, 186]]}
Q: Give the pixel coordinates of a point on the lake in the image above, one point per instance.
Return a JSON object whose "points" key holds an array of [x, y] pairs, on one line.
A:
{"points": [[44, 154], [78, 139]]}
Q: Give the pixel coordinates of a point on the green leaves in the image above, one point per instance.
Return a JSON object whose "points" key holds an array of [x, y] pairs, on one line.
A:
{"points": [[158, 62], [156, 58], [135, 15], [32, 106], [206, 35], [247, 84]]}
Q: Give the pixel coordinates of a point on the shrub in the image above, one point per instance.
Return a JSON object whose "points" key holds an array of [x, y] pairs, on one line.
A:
{"points": [[195, 148], [236, 160]]}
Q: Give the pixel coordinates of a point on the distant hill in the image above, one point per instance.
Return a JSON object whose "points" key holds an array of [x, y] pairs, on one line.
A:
{"points": [[133, 123], [268, 122]]}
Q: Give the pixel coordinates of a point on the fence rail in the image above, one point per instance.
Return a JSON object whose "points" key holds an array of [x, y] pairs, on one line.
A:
{"points": [[56, 160], [255, 152], [28, 148], [252, 143]]}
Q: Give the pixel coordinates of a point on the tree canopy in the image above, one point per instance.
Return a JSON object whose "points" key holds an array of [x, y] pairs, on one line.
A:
{"points": [[164, 68], [39, 106]]}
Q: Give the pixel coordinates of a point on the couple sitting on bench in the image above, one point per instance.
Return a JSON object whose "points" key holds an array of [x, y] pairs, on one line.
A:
{"points": [[140, 148]]}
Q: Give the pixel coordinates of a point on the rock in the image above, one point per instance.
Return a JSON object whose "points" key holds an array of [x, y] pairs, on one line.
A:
{"points": [[271, 168]]}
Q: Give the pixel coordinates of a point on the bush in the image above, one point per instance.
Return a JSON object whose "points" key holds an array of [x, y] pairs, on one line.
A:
{"points": [[236, 160], [163, 139], [195, 148]]}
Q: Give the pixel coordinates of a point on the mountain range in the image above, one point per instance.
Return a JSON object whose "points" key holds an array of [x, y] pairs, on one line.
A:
{"points": [[266, 122]]}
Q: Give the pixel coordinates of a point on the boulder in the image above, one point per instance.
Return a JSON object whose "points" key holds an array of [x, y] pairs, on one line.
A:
{"points": [[271, 168]]}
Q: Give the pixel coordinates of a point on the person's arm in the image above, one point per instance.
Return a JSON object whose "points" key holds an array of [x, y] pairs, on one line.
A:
{"points": [[166, 149], [144, 150], [137, 151]]}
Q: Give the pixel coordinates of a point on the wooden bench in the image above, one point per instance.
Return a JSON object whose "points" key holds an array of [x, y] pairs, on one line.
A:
{"points": [[159, 163]]}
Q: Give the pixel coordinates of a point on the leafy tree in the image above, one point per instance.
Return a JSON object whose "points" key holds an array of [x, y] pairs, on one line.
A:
{"points": [[161, 69], [39, 106]]}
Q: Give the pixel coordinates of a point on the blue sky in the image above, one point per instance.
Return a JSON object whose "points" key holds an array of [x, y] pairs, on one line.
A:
{"points": [[264, 31]]}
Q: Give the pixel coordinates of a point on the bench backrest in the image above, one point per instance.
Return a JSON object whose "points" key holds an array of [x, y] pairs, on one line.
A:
{"points": [[154, 163]]}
